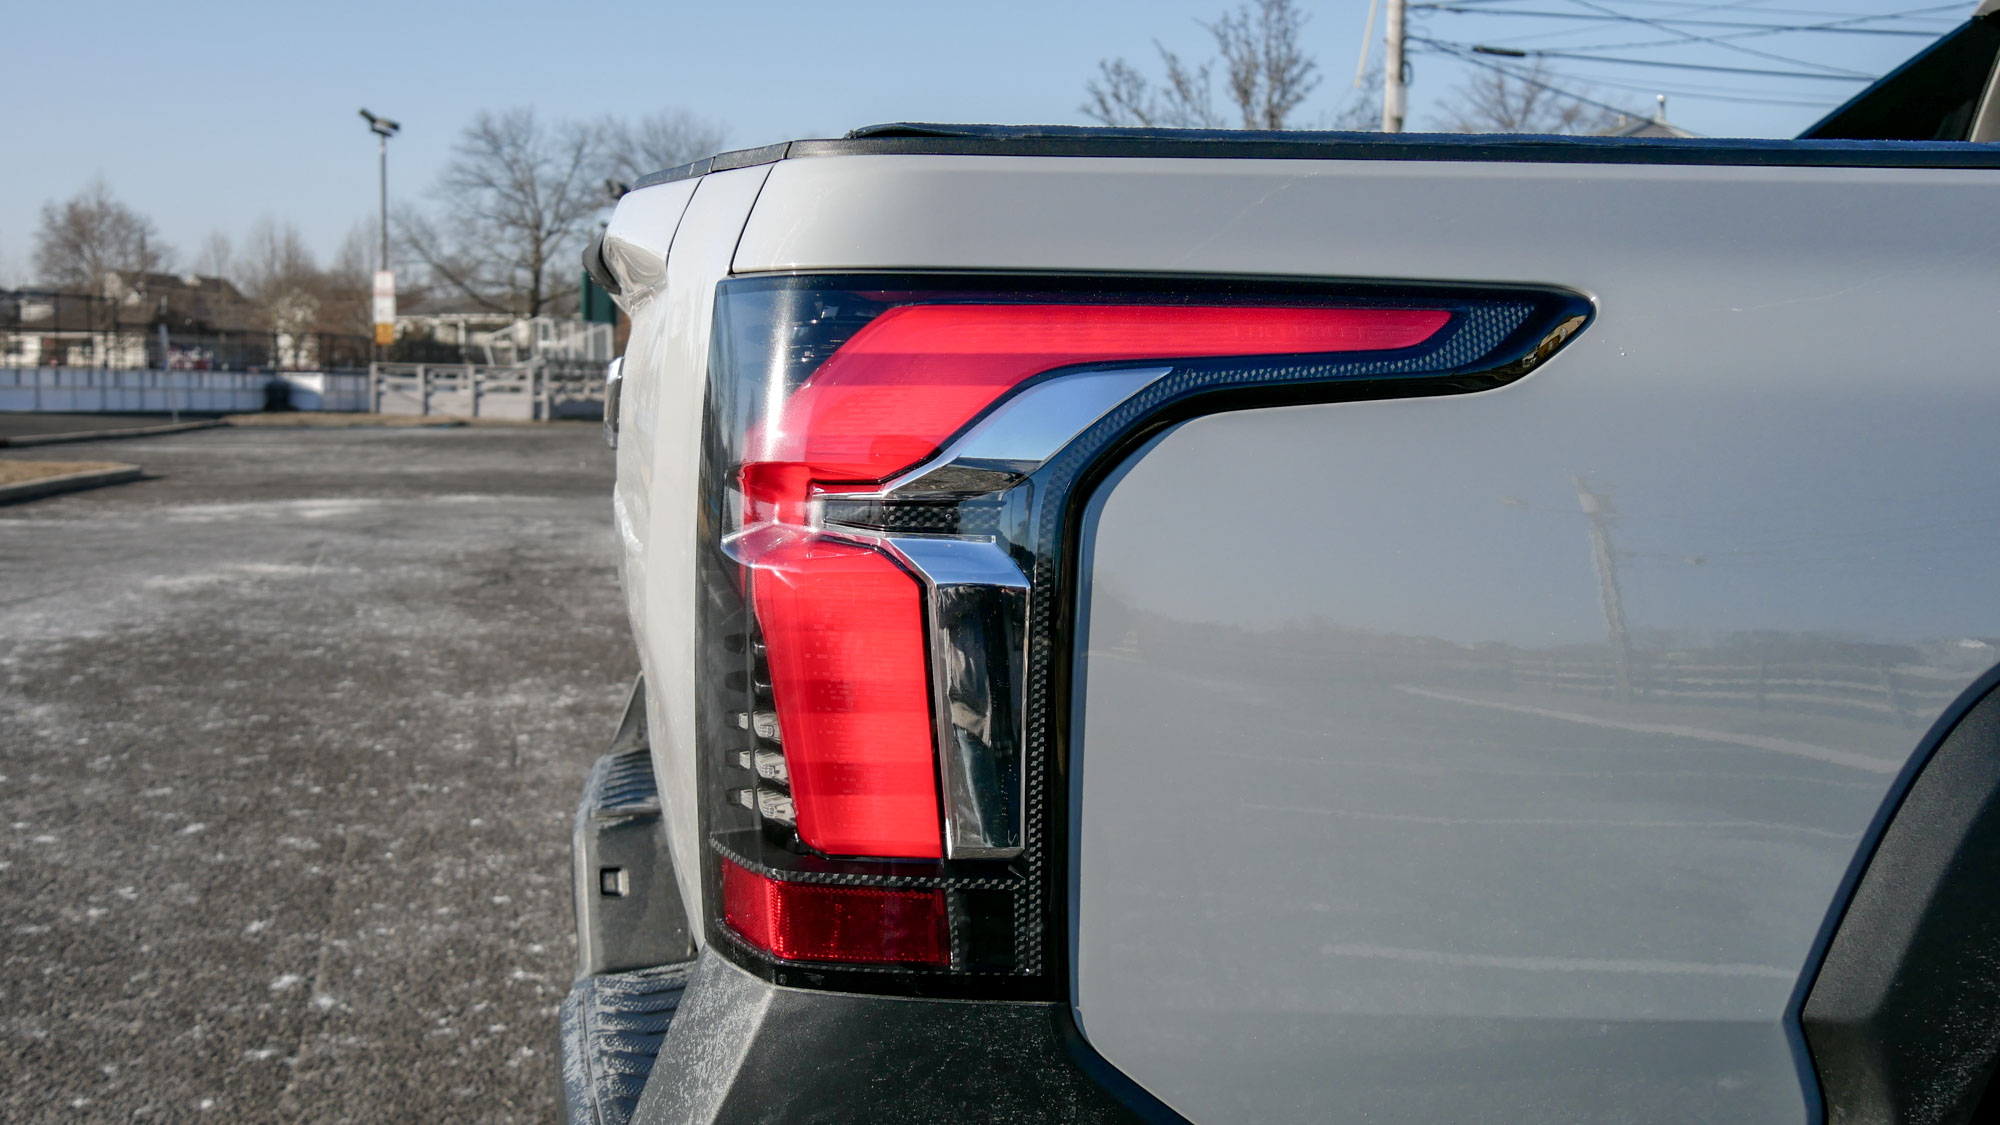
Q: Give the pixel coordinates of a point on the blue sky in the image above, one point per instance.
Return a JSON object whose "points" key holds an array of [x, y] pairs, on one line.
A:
{"points": [[209, 116]]}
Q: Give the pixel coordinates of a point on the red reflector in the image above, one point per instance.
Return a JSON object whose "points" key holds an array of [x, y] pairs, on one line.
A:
{"points": [[844, 632], [917, 373], [813, 922]]}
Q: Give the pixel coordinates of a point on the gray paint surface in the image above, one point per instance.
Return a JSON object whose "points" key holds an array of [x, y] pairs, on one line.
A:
{"points": [[1367, 830]]}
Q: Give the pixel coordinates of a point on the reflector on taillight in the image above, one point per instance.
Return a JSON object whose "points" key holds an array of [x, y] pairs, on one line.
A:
{"points": [[883, 510], [856, 925]]}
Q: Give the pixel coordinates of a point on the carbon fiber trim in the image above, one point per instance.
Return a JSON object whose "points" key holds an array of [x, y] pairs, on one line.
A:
{"points": [[845, 879]]}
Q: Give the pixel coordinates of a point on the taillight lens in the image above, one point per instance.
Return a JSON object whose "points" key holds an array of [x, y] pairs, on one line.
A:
{"points": [[856, 925], [890, 395], [886, 466], [844, 629]]}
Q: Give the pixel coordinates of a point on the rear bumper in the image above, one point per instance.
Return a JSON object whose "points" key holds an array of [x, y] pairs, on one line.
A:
{"points": [[703, 1041], [744, 1050]]}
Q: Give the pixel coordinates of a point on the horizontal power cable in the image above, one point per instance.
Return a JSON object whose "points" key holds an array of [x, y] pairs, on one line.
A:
{"points": [[1466, 56], [1509, 52], [1459, 7]]}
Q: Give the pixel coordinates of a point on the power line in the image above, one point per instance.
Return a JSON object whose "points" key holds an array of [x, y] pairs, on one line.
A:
{"points": [[1691, 37], [1686, 9], [1661, 64], [1682, 41], [1697, 93], [1752, 28], [1468, 56], [1713, 93]]}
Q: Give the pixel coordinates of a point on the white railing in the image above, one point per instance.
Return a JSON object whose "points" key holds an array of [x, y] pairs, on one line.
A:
{"points": [[538, 390], [1887, 690], [545, 337]]}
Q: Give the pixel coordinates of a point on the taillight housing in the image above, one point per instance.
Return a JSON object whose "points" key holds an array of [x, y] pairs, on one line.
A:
{"points": [[890, 471]]}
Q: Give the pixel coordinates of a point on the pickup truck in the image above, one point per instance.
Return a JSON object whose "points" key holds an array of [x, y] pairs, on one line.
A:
{"points": [[1167, 626]]}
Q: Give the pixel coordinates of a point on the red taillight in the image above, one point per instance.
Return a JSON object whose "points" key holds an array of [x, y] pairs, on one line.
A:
{"points": [[845, 630], [891, 471], [817, 922], [916, 374], [842, 622]]}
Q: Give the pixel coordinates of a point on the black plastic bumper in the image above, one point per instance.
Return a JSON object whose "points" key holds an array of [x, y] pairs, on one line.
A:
{"points": [[743, 1050], [704, 1041]]}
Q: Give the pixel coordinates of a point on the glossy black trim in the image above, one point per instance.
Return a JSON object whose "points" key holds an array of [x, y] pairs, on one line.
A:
{"points": [[1933, 96], [595, 266], [1215, 144], [1903, 1017]]}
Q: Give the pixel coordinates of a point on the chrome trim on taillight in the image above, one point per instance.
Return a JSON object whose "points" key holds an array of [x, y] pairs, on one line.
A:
{"points": [[977, 610], [1025, 430]]}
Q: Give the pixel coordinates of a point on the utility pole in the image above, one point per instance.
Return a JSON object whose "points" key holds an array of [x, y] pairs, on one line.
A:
{"points": [[1392, 72], [1598, 510]]}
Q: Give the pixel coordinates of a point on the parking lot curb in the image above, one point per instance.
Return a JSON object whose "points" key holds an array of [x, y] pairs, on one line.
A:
{"points": [[68, 482], [24, 440]]}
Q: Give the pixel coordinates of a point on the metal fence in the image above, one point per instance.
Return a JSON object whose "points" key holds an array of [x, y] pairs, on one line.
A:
{"points": [[1883, 689], [47, 328], [538, 389]]}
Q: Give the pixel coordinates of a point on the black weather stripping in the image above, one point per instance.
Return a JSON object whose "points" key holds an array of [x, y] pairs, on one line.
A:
{"points": [[1904, 1019]]}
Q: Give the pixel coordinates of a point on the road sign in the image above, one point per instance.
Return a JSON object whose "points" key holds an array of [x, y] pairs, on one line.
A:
{"points": [[385, 304]]}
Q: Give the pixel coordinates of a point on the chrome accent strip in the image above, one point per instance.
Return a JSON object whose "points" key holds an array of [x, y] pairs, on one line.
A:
{"points": [[1028, 428], [977, 602]]}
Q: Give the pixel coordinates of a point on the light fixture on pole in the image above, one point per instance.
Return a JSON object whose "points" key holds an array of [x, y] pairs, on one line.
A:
{"points": [[385, 281]]}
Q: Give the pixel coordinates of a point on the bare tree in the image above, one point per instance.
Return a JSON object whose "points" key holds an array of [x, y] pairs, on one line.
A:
{"points": [[217, 256], [1267, 75], [1361, 110], [90, 235], [1269, 72], [1120, 95], [630, 150], [296, 300], [514, 204], [346, 286], [1497, 101], [277, 272]]}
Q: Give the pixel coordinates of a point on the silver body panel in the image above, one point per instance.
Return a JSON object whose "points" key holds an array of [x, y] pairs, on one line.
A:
{"points": [[1365, 829]]}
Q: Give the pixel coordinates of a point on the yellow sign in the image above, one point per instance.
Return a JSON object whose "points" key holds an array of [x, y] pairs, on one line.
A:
{"points": [[385, 334]]}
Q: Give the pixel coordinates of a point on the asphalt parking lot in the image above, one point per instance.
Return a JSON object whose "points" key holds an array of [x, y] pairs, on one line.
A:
{"points": [[289, 742]]}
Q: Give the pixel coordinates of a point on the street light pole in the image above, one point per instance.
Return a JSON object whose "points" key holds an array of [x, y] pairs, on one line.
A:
{"points": [[382, 150], [384, 311], [383, 128]]}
